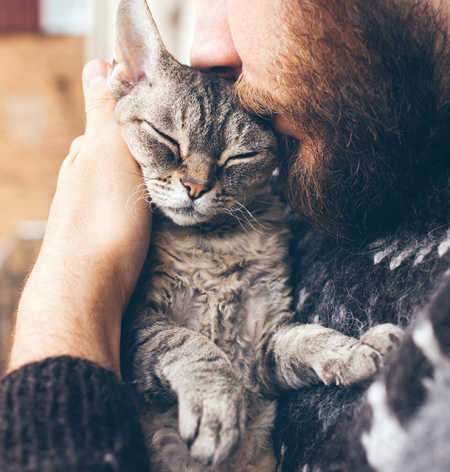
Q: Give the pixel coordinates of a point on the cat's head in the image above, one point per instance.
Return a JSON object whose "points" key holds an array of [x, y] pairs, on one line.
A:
{"points": [[200, 153]]}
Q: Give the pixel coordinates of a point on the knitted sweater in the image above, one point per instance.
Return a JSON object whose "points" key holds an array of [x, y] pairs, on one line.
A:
{"points": [[67, 415], [398, 278]]}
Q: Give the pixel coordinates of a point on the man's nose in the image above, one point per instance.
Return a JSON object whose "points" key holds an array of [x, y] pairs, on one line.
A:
{"points": [[213, 47]]}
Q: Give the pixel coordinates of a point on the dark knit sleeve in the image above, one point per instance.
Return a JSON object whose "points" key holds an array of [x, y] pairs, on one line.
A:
{"points": [[66, 414]]}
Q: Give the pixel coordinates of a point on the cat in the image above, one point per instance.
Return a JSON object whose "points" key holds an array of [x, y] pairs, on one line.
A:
{"points": [[208, 338]]}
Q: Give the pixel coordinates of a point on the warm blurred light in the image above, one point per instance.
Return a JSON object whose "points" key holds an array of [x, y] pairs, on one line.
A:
{"points": [[174, 19], [65, 17]]}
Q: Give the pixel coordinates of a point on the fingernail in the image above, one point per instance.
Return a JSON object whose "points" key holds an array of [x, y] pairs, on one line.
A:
{"points": [[94, 72]]}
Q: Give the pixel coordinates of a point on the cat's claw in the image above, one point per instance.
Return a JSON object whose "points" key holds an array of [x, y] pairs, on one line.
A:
{"points": [[211, 423]]}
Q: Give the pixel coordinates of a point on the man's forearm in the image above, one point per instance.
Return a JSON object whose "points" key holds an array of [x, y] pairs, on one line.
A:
{"points": [[57, 316]]}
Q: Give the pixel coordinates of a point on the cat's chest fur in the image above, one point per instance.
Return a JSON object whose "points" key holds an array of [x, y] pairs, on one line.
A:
{"points": [[223, 281]]}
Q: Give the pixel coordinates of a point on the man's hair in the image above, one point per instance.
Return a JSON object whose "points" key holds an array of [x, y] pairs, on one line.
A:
{"points": [[367, 83]]}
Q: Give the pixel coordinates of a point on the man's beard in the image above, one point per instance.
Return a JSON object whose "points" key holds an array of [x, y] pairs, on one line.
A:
{"points": [[367, 86]]}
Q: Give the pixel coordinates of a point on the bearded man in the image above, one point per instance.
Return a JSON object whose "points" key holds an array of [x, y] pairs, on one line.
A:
{"points": [[364, 90], [360, 91]]}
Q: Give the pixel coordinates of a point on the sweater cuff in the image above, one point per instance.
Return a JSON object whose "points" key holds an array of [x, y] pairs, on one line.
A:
{"points": [[67, 414]]}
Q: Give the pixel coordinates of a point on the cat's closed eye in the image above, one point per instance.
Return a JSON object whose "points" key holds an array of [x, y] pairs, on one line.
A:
{"points": [[243, 158], [239, 157], [153, 131]]}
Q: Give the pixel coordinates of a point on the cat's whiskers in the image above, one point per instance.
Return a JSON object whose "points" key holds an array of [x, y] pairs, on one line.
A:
{"points": [[155, 189], [243, 214], [141, 193], [152, 179], [163, 191], [158, 185], [246, 219], [256, 221], [236, 217]]}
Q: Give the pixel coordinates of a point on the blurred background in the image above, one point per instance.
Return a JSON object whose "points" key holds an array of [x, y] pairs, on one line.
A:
{"points": [[43, 47]]}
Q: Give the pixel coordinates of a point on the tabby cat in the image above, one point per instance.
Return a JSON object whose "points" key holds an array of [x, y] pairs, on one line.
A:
{"points": [[208, 338]]}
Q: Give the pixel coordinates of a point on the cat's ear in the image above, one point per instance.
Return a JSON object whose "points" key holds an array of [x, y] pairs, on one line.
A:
{"points": [[139, 51]]}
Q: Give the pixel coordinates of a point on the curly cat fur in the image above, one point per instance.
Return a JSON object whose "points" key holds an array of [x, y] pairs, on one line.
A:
{"points": [[210, 280], [212, 319]]}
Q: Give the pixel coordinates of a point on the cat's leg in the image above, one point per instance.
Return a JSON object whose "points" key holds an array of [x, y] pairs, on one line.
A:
{"points": [[300, 355], [168, 452], [165, 359]]}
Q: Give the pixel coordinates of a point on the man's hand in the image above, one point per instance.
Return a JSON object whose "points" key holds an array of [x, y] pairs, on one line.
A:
{"points": [[95, 244]]}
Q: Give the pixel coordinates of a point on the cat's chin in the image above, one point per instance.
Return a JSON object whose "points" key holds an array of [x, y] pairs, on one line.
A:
{"points": [[185, 217]]}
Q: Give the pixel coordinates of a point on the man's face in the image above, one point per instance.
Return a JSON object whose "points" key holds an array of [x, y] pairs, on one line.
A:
{"points": [[356, 83]]}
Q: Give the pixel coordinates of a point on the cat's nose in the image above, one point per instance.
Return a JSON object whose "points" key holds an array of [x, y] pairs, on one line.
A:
{"points": [[195, 189]]}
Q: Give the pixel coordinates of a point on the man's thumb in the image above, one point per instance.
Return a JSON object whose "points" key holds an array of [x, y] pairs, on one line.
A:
{"points": [[98, 99]]}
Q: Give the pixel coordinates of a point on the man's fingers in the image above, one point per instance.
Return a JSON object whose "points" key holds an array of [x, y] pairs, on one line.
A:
{"points": [[98, 99]]}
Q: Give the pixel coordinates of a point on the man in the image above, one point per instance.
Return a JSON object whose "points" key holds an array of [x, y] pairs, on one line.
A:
{"points": [[364, 88], [363, 91]]}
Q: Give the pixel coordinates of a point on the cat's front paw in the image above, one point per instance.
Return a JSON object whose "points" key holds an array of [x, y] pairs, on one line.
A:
{"points": [[350, 365], [212, 421], [362, 359], [385, 338]]}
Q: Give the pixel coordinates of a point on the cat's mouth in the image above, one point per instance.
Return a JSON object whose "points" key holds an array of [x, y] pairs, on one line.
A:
{"points": [[185, 216], [183, 210]]}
